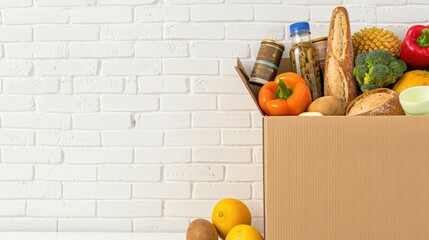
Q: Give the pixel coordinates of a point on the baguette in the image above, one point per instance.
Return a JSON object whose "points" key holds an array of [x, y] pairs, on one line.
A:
{"points": [[380, 101], [339, 80]]}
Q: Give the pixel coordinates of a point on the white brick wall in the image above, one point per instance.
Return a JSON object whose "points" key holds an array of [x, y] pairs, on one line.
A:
{"points": [[127, 115]]}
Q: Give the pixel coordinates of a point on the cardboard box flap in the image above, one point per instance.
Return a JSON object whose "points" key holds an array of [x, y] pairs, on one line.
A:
{"points": [[245, 78]]}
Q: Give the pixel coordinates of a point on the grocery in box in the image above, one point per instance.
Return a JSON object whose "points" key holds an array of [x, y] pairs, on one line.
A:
{"points": [[369, 73]]}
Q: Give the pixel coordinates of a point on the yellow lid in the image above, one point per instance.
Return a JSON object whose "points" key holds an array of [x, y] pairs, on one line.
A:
{"points": [[273, 41]]}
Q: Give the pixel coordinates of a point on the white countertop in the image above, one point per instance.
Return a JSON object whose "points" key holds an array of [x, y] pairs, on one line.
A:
{"points": [[89, 236]]}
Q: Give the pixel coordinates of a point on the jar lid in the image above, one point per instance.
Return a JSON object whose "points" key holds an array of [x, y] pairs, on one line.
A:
{"points": [[299, 27], [273, 41]]}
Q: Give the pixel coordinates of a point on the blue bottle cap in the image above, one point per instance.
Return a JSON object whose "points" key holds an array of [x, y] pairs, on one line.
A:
{"points": [[299, 27]]}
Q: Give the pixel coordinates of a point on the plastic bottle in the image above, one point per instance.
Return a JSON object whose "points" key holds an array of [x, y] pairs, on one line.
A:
{"points": [[304, 58]]}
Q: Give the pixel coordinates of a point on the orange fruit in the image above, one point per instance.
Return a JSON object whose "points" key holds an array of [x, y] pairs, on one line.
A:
{"points": [[244, 232], [228, 213]]}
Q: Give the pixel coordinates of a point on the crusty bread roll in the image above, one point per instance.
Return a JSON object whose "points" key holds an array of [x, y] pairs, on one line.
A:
{"points": [[339, 80], [380, 101]]}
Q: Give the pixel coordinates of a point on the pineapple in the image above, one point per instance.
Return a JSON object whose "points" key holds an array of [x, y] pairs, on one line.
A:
{"points": [[368, 39]]}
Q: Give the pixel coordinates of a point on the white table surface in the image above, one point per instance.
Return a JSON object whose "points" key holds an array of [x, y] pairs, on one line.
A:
{"points": [[89, 236]]}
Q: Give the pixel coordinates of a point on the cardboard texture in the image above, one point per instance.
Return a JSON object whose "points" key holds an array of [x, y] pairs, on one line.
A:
{"points": [[345, 178]]}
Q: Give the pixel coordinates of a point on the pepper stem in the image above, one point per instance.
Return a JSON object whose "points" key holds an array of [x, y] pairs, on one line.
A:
{"points": [[423, 40], [283, 92]]}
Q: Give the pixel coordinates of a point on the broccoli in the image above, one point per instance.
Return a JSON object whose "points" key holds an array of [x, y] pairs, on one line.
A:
{"points": [[377, 69]]}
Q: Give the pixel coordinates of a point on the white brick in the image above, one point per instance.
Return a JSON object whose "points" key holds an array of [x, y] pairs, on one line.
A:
{"points": [[222, 154], [131, 67], [162, 14], [193, 1], [256, 208], [55, 208], [399, 14], [356, 14], [194, 173], [257, 120], [381, 2], [66, 85], [98, 84], [244, 173], [101, 50], [161, 49], [258, 155], [227, 66], [255, 31], [15, 3], [129, 103], [36, 120], [216, 190], [16, 137], [163, 84], [282, 13], [31, 155], [192, 137], [200, 209], [162, 190], [236, 102], [34, 16], [68, 138], [160, 225], [220, 49], [257, 1], [64, 3], [220, 119], [76, 103], [15, 172], [132, 32], [16, 34], [129, 173], [37, 50], [66, 67], [258, 190], [102, 121], [15, 68], [66, 33], [194, 31], [96, 191], [218, 84], [94, 225], [10, 208], [66, 173], [222, 13], [314, 2], [129, 208], [133, 138], [242, 137], [101, 15], [163, 155], [31, 85], [125, 2], [28, 224], [98, 155], [191, 66], [162, 121], [16, 103], [130, 85], [25, 190]]}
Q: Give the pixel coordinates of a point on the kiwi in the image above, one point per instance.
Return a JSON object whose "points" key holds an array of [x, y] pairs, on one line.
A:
{"points": [[327, 105], [201, 229]]}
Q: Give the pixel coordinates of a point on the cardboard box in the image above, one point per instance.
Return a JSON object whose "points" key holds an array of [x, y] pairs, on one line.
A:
{"points": [[345, 178]]}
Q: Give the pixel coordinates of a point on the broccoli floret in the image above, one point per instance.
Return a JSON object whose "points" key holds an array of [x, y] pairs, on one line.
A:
{"points": [[360, 59], [377, 69]]}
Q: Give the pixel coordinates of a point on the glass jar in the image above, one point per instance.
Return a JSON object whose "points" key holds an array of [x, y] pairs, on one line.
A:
{"points": [[304, 58]]}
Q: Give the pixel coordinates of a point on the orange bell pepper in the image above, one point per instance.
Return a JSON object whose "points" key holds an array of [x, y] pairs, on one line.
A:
{"points": [[287, 95]]}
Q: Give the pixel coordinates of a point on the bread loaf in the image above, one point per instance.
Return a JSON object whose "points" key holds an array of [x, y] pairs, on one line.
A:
{"points": [[339, 80], [380, 101]]}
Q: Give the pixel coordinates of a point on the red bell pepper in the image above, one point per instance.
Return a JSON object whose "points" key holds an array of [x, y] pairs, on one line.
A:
{"points": [[415, 47]]}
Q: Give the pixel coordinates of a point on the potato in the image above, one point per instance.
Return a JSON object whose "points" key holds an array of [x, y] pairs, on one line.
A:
{"points": [[201, 229], [327, 105]]}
